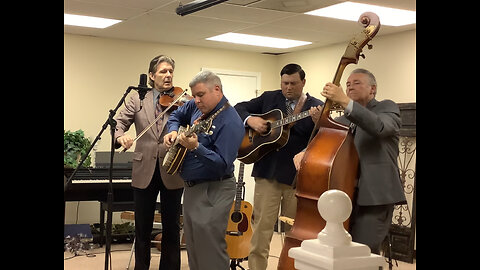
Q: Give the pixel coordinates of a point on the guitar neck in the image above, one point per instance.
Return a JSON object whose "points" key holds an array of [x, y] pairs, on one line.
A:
{"points": [[239, 191], [290, 119]]}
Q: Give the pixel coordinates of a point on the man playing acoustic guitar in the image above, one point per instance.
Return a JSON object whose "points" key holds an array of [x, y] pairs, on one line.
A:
{"points": [[274, 172]]}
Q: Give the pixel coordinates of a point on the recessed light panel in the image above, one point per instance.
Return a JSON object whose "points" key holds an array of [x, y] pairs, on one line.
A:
{"points": [[351, 11], [88, 21], [259, 40]]}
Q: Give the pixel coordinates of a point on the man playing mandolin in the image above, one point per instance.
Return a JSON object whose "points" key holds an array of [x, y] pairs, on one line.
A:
{"points": [[207, 169], [274, 172]]}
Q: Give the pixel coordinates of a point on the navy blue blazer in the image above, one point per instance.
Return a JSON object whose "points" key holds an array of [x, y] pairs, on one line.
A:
{"points": [[278, 164]]}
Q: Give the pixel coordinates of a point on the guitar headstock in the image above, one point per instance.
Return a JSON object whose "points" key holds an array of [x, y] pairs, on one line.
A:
{"points": [[371, 23]]}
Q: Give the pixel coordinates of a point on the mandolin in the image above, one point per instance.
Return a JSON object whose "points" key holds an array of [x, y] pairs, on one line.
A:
{"points": [[239, 228], [177, 152]]}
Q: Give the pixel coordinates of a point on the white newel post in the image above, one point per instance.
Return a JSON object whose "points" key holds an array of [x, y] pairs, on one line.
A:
{"points": [[333, 249]]}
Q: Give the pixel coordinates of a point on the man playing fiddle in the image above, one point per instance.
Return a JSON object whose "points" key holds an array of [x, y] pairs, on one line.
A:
{"points": [[148, 175]]}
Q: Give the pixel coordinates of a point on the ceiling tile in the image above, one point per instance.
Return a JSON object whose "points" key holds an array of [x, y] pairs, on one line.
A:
{"points": [[157, 21]]}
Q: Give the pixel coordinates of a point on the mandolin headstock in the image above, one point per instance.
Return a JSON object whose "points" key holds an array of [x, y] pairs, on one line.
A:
{"points": [[371, 23], [203, 126]]}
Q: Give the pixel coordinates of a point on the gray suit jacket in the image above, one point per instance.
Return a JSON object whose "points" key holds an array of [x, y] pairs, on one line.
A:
{"points": [[149, 149], [376, 140]]}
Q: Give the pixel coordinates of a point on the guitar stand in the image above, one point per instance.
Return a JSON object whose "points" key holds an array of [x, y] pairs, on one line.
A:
{"points": [[236, 262], [387, 250]]}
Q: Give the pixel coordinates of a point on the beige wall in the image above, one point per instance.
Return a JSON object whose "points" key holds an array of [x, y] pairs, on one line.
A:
{"points": [[97, 71], [391, 60]]}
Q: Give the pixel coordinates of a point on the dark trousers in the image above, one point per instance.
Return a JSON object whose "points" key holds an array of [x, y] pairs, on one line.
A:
{"points": [[145, 200], [370, 225]]}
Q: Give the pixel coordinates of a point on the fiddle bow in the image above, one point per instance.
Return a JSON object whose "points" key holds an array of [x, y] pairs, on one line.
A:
{"points": [[173, 103]]}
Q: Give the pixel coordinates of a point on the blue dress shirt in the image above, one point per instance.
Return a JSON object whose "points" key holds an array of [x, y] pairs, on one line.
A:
{"points": [[216, 153]]}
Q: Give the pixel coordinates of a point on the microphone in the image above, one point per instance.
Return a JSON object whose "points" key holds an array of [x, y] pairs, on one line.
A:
{"points": [[142, 86]]}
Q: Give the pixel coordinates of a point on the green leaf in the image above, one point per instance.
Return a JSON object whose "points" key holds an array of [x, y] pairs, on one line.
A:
{"points": [[75, 143]]}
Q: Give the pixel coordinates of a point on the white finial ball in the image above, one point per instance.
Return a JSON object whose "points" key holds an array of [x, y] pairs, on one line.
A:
{"points": [[334, 206]]}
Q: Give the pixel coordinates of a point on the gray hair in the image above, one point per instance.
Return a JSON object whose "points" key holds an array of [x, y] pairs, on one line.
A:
{"points": [[371, 79], [207, 77]]}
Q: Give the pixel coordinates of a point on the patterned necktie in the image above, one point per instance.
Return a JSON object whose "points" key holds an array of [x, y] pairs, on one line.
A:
{"points": [[158, 110], [288, 104]]}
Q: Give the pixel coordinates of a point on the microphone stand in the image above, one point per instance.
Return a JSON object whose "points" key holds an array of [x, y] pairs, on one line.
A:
{"points": [[142, 90]]}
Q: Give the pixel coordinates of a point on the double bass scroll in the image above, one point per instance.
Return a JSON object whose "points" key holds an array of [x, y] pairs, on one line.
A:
{"points": [[371, 22], [330, 160]]}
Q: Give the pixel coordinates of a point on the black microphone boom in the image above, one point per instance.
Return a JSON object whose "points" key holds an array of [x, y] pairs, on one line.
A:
{"points": [[196, 5]]}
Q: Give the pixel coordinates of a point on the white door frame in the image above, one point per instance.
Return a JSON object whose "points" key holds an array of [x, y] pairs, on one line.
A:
{"points": [[257, 75]]}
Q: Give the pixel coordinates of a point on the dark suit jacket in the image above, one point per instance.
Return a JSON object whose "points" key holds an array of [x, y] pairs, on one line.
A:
{"points": [[376, 140], [279, 165]]}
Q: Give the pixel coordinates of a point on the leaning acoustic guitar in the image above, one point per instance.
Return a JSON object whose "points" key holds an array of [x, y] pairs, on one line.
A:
{"points": [[239, 228], [255, 145]]}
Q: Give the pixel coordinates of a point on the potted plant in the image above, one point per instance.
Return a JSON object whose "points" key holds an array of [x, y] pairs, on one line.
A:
{"points": [[75, 146]]}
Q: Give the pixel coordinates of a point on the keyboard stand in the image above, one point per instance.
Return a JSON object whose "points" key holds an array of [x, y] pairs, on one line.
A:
{"points": [[116, 207]]}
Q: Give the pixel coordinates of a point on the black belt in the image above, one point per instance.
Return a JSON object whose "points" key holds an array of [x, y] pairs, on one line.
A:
{"points": [[198, 181]]}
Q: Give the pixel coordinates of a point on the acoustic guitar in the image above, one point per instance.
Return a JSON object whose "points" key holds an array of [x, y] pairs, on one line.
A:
{"points": [[239, 228], [255, 145]]}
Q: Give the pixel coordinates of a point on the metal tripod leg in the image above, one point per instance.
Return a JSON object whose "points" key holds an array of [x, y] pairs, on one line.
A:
{"points": [[131, 253]]}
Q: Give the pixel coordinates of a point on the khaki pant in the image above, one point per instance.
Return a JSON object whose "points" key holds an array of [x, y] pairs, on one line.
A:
{"points": [[269, 195]]}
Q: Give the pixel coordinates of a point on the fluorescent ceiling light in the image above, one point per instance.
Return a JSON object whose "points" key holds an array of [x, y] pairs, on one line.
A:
{"points": [[88, 21], [258, 40], [351, 11]]}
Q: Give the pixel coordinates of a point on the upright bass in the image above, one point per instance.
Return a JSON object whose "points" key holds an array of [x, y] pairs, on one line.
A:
{"points": [[330, 160]]}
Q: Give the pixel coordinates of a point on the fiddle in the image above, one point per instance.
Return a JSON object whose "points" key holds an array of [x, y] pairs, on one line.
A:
{"points": [[177, 100], [168, 97]]}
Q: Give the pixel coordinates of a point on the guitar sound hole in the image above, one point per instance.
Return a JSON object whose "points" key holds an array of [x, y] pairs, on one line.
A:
{"points": [[269, 129], [236, 217]]}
